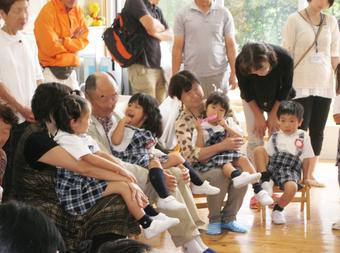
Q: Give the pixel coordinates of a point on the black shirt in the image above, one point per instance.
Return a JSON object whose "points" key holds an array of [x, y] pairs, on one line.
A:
{"points": [[36, 145], [275, 86], [137, 9]]}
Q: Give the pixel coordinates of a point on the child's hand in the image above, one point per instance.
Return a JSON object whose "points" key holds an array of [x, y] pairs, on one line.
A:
{"points": [[125, 120], [138, 195], [223, 123]]}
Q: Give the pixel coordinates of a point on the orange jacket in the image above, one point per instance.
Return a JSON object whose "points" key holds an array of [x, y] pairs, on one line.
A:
{"points": [[53, 31]]}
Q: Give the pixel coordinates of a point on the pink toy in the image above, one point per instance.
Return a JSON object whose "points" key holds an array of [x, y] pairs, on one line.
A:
{"points": [[210, 118]]}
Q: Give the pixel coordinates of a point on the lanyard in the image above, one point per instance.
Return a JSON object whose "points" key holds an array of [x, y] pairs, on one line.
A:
{"points": [[315, 32]]}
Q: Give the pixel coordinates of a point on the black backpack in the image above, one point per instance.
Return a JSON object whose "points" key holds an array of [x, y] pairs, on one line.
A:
{"points": [[124, 40]]}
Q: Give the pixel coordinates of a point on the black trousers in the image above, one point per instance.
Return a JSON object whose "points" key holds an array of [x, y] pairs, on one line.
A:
{"points": [[315, 118]]}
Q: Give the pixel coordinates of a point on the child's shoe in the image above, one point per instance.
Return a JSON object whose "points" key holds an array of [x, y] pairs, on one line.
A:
{"points": [[278, 217], [268, 186], [205, 188], [245, 178], [170, 203], [156, 227], [233, 226], [163, 217], [264, 198]]}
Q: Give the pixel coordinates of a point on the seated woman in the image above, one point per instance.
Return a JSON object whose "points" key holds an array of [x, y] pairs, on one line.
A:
{"points": [[35, 160], [185, 86]]}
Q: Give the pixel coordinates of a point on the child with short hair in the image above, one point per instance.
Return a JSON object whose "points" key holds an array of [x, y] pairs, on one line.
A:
{"points": [[336, 116], [214, 130], [78, 193], [286, 154], [133, 139], [8, 119]]}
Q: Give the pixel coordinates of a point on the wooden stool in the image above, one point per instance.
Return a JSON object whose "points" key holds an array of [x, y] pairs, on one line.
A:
{"points": [[303, 199]]}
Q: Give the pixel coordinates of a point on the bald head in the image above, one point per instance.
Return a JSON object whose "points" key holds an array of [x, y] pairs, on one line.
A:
{"points": [[101, 91]]}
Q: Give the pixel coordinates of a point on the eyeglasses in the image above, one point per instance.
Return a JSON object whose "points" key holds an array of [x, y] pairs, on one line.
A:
{"points": [[107, 98]]}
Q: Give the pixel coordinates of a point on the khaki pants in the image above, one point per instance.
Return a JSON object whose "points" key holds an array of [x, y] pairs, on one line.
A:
{"points": [[220, 81], [187, 229], [215, 202], [71, 81], [148, 80]]}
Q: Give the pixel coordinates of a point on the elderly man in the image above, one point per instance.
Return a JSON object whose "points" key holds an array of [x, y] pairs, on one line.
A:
{"points": [[61, 32], [205, 35], [101, 91]]}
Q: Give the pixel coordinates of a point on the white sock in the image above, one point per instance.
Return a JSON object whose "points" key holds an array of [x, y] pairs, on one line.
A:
{"points": [[198, 239], [192, 247]]}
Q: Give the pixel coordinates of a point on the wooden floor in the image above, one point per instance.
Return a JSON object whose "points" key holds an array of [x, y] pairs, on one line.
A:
{"points": [[296, 236]]}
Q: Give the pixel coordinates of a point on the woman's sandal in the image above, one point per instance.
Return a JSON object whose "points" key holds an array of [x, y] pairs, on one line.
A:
{"points": [[315, 183]]}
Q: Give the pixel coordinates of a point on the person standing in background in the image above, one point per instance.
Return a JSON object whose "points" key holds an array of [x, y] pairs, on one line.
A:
{"points": [[312, 38], [205, 35], [146, 75], [61, 32]]}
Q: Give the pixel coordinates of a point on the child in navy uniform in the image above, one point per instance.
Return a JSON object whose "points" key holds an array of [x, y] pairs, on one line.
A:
{"points": [[215, 130], [285, 156]]}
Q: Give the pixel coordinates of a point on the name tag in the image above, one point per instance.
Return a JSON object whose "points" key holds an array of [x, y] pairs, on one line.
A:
{"points": [[317, 58]]}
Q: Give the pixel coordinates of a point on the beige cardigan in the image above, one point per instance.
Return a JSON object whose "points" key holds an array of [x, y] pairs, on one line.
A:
{"points": [[297, 37]]}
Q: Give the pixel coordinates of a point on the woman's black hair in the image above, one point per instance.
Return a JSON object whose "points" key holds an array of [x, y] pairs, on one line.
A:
{"points": [[45, 98], [253, 55], [70, 107], [153, 121], [219, 98], [290, 107], [24, 228], [181, 82], [124, 246], [330, 2], [6, 5]]}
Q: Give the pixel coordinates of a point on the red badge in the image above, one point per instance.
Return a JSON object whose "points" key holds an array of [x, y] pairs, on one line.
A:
{"points": [[299, 143]]}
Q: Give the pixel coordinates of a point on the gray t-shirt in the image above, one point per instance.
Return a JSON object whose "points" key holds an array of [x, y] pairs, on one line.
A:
{"points": [[204, 38]]}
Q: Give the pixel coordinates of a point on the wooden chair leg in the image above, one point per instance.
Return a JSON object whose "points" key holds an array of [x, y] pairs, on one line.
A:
{"points": [[308, 202]]}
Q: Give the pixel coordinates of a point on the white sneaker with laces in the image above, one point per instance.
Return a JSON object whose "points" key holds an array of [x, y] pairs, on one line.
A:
{"points": [[268, 186], [264, 198], [245, 178], [205, 188], [278, 217], [336, 225], [170, 203], [157, 227], [163, 217]]}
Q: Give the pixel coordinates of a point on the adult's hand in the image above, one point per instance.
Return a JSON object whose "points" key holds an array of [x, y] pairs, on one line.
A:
{"points": [[273, 124], [138, 195], [170, 181], [260, 126], [232, 81], [77, 32], [26, 112], [232, 143]]}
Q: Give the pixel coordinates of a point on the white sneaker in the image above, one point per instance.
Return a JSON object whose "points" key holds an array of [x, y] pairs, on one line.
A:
{"points": [[163, 217], [268, 186], [170, 203], [264, 198], [205, 188], [245, 178], [336, 225], [157, 227], [278, 217]]}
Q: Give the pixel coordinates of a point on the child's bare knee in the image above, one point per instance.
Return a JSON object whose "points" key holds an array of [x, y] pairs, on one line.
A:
{"points": [[290, 187]]}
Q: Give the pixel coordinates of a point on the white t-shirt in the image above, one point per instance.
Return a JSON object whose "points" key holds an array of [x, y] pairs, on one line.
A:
{"points": [[287, 143], [205, 126], [128, 135], [336, 105], [76, 145], [19, 66]]}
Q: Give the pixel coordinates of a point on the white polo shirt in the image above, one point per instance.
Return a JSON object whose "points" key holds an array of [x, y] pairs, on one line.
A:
{"points": [[19, 67]]}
